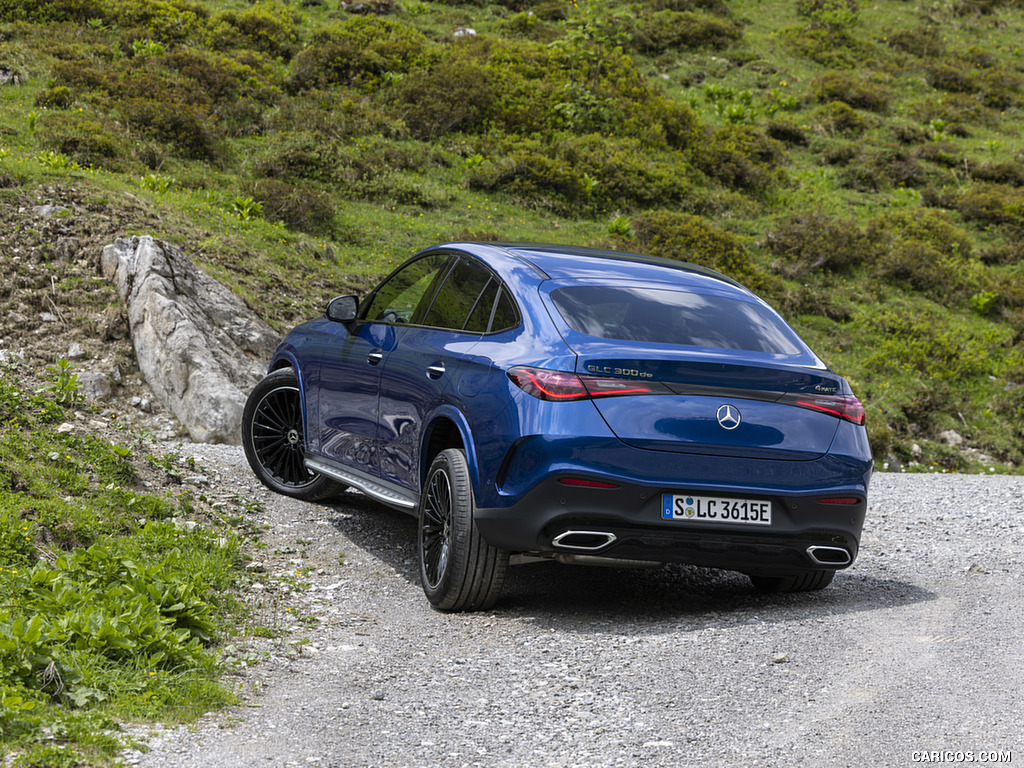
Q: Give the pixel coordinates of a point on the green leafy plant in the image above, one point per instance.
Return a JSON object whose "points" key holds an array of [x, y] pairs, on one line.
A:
{"points": [[147, 47], [834, 15], [984, 302], [63, 382], [245, 208], [154, 183], [620, 226]]}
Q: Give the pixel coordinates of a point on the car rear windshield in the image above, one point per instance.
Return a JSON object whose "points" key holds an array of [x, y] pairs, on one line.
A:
{"points": [[674, 317]]}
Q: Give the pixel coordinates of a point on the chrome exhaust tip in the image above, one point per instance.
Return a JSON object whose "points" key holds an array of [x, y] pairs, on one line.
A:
{"points": [[831, 556], [584, 541]]}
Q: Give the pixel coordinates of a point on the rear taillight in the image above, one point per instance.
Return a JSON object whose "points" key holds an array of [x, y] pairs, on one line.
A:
{"points": [[560, 385], [599, 386], [548, 385], [846, 407]]}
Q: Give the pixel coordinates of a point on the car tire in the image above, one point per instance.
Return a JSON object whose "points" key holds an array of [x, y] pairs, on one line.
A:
{"points": [[458, 569], [805, 581], [273, 439]]}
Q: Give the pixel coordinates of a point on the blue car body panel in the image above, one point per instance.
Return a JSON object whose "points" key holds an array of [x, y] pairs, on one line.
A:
{"points": [[379, 398]]}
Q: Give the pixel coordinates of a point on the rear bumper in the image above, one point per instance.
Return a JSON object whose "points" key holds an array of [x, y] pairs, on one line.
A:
{"points": [[626, 523]]}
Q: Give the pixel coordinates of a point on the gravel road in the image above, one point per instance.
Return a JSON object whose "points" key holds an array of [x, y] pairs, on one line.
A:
{"points": [[915, 649]]}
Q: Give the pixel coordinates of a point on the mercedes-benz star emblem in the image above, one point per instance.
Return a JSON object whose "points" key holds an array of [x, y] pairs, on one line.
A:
{"points": [[728, 417]]}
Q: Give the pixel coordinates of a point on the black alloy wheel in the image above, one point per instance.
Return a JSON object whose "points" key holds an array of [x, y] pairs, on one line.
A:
{"points": [[272, 436], [459, 570]]}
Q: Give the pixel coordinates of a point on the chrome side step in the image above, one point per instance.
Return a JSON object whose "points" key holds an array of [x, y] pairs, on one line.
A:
{"points": [[389, 493]]}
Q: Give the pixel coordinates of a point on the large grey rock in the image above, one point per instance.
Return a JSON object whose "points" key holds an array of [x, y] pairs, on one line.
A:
{"points": [[199, 347]]}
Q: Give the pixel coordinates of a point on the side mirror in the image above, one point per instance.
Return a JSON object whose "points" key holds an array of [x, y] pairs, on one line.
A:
{"points": [[342, 309]]}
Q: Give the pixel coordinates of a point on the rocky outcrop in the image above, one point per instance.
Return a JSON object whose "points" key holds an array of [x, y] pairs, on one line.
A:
{"points": [[199, 347]]}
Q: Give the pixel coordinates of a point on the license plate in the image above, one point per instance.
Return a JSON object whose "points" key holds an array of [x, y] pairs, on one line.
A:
{"points": [[716, 509]]}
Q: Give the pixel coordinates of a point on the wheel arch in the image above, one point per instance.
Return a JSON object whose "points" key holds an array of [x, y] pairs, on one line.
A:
{"points": [[448, 428], [286, 358]]}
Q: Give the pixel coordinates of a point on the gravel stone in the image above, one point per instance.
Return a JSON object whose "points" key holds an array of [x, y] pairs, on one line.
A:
{"points": [[914, 648]]}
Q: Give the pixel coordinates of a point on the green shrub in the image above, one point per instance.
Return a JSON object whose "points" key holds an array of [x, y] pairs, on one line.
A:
{"points": [[953, 109], [455, 95], [838, 117], [898, 168], [982, 7], [217, 78], [908, 133], [42, 11], [741, 157], [86, 140], [531, 26], [1002, 291], [1011, 252], [297, 207], [942, 153], [992, 204], [950, 78], [926, 251], [787, 131], [270, 28], [16, 539], [932, 344], [923, 42], [828, 47], [861, 178], [186, 126], [838, 15], [577, 174], [668, 121], [337, 115], [664, 30], [856, 91], [533, 179], [57, 97], [1009, 405], [815, 240], [1000, 88], [925, 268], [689, 238], [841, 154], [1007, 173], [85, 75], [359, 52], [933, 228], [166, 21]]}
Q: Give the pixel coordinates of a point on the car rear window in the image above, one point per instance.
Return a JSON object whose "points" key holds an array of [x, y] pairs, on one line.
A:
{"points": [[674, 317]]}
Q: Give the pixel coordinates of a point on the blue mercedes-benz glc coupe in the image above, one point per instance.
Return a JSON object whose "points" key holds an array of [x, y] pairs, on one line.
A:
{"points": [[541, 401]]}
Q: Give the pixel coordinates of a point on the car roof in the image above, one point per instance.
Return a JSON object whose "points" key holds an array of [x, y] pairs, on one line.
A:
{"points": [[566, 263]]}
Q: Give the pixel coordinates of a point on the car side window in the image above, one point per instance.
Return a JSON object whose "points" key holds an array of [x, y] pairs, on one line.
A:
{"points": [[505, 314], [403, 297], [480, 316], [459, 302]]}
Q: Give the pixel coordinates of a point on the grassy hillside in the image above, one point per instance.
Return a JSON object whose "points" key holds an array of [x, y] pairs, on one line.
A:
{"points": [[858, 164]]}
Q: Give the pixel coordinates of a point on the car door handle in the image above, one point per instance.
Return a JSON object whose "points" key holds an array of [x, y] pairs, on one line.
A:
{"points": [[435, 371], [375, 357]]}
